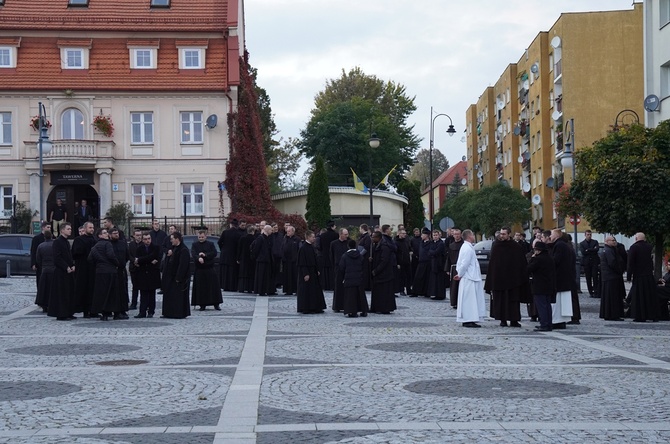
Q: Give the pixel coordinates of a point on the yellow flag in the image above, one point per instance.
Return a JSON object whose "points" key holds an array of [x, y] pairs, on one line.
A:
{"points": [[358, 183], [385, 180]]}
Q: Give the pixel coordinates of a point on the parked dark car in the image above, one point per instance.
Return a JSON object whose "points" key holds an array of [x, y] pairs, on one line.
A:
{"points": [[189, 240], [15, 248], [483, 252]]}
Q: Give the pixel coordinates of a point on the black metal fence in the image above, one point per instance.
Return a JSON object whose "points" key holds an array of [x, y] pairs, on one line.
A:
{"points": [[184, 224]]}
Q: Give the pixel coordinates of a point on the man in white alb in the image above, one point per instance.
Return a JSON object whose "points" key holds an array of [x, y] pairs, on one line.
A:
{"points": [[471, 307]]}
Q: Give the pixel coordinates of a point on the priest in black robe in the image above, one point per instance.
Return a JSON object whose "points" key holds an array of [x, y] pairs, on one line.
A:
{"points": [[206, 286], [383, 294], [612, 290], [105, 263], [327, 277], [84, 277], [147, 260], [420, 280], [121, 250], [507, 280], [290, 248], [229, 267], [403, 259], [310, 295], [45, 261], [176, 280], [247, 266], [261, 252], [350, 273], [34, 243], [644, 305], [61, 301], [365, 246], [337, 248]]}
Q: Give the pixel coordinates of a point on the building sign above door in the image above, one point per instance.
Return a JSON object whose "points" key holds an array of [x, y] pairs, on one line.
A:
{"points": [[72, 178]]}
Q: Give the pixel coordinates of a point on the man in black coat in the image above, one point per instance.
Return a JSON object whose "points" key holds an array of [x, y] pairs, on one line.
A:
{"points": [[326, 238], [507, 279], [133, 245], [36, 241], [84, 278], [612, 290], [437, 287], [365, 242], [403, 259], [147, 260], [543, 285], [289, 259], [206, 286], [229, 267], [121, 250], [337, 248], [105, 263], [591, 262], [383, 294], [350, 273], [261, 252], [644, 305], [61, 300], [564, 261], [310, 295], [158, 236], [176, 280]]}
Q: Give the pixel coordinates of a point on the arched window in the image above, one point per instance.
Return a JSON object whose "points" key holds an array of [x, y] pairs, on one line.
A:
{"points": [[72, 124]]}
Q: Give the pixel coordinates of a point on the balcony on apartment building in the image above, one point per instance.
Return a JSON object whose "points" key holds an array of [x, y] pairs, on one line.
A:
{"points": [[74, 152]]}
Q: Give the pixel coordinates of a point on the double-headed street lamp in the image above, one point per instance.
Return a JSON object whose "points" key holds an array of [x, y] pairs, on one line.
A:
{"points": [[44, 147], [374, 142], [451, 131], [568, 161]]}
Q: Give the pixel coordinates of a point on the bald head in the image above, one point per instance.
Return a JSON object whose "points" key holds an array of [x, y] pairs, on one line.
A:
{"points": [[640, 237]]}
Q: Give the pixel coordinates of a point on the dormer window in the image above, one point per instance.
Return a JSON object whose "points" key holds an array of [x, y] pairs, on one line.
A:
{"points": [[83, 3], [74, 53], [160, 3], [192, 53], [8, 49], [143, 53]]}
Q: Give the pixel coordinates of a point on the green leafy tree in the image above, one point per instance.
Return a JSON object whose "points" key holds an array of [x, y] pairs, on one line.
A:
{"points": [[283, 163], [318, 197], [456, 187], [487, 209], [346, 113], [421, 169], [623, 183], [121, 212], [413, 215]]}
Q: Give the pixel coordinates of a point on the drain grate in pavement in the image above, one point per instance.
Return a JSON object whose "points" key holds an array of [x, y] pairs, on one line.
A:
{"points": [[122, 362]]}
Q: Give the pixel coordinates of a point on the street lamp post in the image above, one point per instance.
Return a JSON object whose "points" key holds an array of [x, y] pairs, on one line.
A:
{"points": [[44, 147], [568, 161], [374, 142], [451, 131]]}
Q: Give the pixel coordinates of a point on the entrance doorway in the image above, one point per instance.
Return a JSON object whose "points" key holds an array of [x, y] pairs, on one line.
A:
{"points": [[71, 196]]}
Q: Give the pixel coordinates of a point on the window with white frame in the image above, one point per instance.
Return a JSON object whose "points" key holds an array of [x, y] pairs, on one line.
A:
{"points": [[143, 58], [665, 80], [192, 58], [143, 198], [72, 124], [5, 128], [191, 127], [664, 13], [193, 198], [74, 58], [142, 128], [6, 198], [7, 57]]}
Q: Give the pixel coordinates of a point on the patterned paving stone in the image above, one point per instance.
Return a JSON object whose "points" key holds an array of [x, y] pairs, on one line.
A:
{"points": [[73, 349], [496, 388], [25, 390], [430, 347]]}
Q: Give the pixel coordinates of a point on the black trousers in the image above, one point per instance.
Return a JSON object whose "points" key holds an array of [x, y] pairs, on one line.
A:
{"points": [[592, 273], [147, 301], [543, 307]]}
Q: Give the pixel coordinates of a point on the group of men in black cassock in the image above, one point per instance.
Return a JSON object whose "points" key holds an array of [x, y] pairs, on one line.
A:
{"points": [[89, 274]]}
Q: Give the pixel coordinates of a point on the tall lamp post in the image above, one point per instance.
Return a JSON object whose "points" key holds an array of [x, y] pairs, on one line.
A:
{"points": [[568, 161], [451, 131], [44, 147], [374, 142]]}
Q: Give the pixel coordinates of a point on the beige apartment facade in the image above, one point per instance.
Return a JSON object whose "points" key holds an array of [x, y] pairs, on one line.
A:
{"points": [[587, 69], [167, 90]]}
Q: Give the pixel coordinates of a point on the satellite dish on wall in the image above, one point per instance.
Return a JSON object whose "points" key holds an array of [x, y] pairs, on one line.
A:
{"points": [[556, 115], [526, 187], [652, 103], [556, 42], [211, 121], [537, 199], [463, 158], [476, 166], [550, 182], [480, 174], [520, 159], [464, 181], [501, 104], [517, 130], [534, 69]]}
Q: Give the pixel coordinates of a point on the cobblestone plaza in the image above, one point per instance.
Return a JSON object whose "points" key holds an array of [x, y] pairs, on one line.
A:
{"points": [[258, 372]]}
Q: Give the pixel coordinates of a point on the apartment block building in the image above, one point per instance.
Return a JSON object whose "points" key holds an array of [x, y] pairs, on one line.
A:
{"points": [[587, 69], [164, 73]]}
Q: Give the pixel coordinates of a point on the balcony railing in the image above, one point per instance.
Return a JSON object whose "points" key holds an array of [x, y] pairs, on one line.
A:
{"points": [[72, 150]]}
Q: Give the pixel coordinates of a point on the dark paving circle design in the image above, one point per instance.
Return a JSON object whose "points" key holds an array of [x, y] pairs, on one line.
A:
{"points": [[496, 388], [390, 324], [73, 349], [123, 324], [640, 325], [430, 347], [25, 390], [122, 362]]}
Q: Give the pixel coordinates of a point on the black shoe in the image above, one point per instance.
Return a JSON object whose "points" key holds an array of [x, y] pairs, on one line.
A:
{"points": [[138, 316], [573, 322], [471, 325], [539, 328], [217, 308], [62, 319], [104, 318], [559, 326], [503, 323], [123, 316], [533, 319], [132, 307], [150, 315], [514, 324], [352, 315], [364, 315], [202, 308]]}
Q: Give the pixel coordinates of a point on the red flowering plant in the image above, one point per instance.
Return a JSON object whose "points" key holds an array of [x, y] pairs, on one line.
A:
{"points": [[565, 203], [104, 125], [35, 123]]}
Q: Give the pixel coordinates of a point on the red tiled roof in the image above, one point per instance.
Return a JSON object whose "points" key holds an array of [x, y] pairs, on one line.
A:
{"points": [[448, 176], [118, 15], [39, 68]]}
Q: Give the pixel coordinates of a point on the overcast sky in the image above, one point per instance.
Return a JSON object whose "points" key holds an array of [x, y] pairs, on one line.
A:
{"points": [[445, 52]]}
